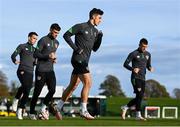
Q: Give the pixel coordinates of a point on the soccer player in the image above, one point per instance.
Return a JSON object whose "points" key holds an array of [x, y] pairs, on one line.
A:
{"points": [[46, 55], [140, 59], [87, 38], [24, 72]]}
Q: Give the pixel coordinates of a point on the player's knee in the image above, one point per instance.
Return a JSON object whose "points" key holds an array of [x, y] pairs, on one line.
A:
{"points": [[74, 87], [138, 95], [88, 84]]}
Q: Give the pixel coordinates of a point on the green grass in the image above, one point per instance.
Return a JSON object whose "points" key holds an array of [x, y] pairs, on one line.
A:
{"points": [[102, 121], [113, 109], [114, 104]]}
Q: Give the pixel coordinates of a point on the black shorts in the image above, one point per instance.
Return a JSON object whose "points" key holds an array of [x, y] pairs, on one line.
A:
{"points": [[138, 85], [80, 67]]}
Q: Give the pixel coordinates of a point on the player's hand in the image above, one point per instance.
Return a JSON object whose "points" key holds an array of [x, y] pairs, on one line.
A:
{"points": [[17, 62], [55, 60], [136, 70], [151, 69], [52, 55]]}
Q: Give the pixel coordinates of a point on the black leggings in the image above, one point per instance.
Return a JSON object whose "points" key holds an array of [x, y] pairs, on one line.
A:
{"points": [[42, 78], [26, 80], [139, 88]]}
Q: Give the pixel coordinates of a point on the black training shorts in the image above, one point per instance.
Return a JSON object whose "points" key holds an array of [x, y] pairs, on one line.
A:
{"points": [[80, 67]]}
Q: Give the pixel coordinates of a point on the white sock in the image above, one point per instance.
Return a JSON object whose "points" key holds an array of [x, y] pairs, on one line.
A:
{"points": [[20, 109], [84, 107], [126, 107], [43, 107], [138, 114], [15, 100], [60, 104]]}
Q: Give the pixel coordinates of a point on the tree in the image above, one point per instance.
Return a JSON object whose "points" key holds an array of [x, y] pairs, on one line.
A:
{"points": [[155, 89], [3, 85], [14, 88], [111, 87], [176, 92]]}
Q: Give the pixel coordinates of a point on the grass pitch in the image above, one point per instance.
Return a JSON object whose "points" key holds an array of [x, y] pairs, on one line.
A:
{"points": [[102, 121]]}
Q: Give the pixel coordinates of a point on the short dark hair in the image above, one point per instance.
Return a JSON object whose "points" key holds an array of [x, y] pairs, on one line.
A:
{"points": [[95, 11], [32, 33], [55, 26], [143, 41]]}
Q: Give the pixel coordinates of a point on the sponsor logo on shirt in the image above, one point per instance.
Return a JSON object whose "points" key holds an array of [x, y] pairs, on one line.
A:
{"points": [[147, 57], [26, 48], [48, 44], [87, 68], [95, 34], [22, 72], [138, 56]]}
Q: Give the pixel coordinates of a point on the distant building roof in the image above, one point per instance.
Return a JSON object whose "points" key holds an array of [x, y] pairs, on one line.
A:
{"points": [[58, 93]]}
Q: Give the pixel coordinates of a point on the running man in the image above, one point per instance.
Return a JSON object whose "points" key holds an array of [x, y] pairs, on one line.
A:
{"points": [[24, 72], [87, 38], [46, 55], [140, 59]]}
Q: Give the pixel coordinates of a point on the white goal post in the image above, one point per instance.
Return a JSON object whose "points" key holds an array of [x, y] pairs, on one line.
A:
{"points": [[152, 112], [175, 109]]}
